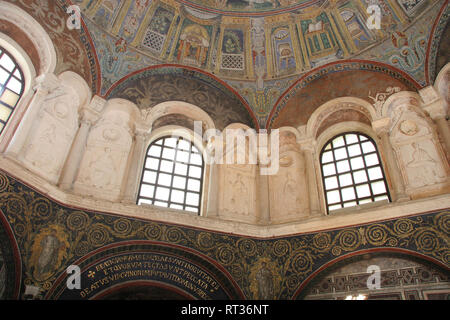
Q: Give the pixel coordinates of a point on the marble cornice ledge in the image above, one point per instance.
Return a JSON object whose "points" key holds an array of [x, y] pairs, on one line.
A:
{"points": [[319, 223]]}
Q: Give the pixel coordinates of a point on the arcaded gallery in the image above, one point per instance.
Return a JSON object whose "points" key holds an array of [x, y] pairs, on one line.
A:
{"points": [[224, 150]]}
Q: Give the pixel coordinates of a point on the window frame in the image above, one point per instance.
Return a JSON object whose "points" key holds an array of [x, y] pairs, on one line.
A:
{"points": [[17, 67], [353, 185], [172, 174]]}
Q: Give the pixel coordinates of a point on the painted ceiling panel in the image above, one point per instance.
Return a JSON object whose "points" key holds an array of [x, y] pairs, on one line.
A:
{"points": [[259, 48]]}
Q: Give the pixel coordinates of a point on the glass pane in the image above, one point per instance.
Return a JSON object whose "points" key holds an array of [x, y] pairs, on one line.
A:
{"points": [[196, 159], [164, 179], [363, 191], [375, 173], [176, 206], [154, 151], [333, 196], [348, 194], [149, 176], [192, 198], [144, 201], [195, 172], [350, 204], [357, 163], [334, 207], [340, 154], [170, 142], [351, 138], [17, 74], [151, 163], [10, 98], [4, 113], [328, 147], [360, 176], [329, 169], [354, 150], [168, 154], [181, 169], [3, 76], [194, 185], [147, 191], [371, 159], [166, 166], [179, 182], [327, 157], [7, 63], [195, 149], [192, 209], [363, 138], [183, 156], [368, 147], [177, 196], [343, 166], [338, 142], [162, 193], [331, 183], [378, 187], [345, 180], [381, 198], [365, 201], [161, 204], [15, 85], [184, 145]]}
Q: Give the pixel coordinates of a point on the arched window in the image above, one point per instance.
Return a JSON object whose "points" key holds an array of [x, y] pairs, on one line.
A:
{"points": [[11, 86], [172, 175], [352, 172]]}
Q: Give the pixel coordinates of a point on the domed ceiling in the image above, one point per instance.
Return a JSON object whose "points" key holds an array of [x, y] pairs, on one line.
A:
{"points": [[263, 52]]}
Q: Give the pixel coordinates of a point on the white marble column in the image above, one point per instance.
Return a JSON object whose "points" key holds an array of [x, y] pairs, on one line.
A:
{"points": [[381, 128], [212, 206], [308, 149], [89, 115], [263, 197], [130, 191], [436, 107], [46, 88]]}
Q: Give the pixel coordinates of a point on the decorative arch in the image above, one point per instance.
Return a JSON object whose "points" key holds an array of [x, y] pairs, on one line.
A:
{"points": [[151, 86], [149, 262], [9, 251], [328, 267], [181, 108], [307, 92], [339, 110], [36, 33]]}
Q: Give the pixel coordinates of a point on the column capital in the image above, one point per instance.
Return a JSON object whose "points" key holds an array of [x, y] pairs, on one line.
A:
{"points": [[432, 103], [308, 144], [141, 131], [46, 83], [91, 113], [381, 126], [97, 104]]}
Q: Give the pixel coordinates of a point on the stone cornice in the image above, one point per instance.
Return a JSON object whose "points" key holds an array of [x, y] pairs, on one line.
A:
{"points": [[348, 217]]}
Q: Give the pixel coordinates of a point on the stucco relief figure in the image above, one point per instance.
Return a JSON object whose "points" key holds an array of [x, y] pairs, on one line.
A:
{"points": [[40, 150], [290, 193], [239, 196], [423, 168], [265, 283], [102, 169]]}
